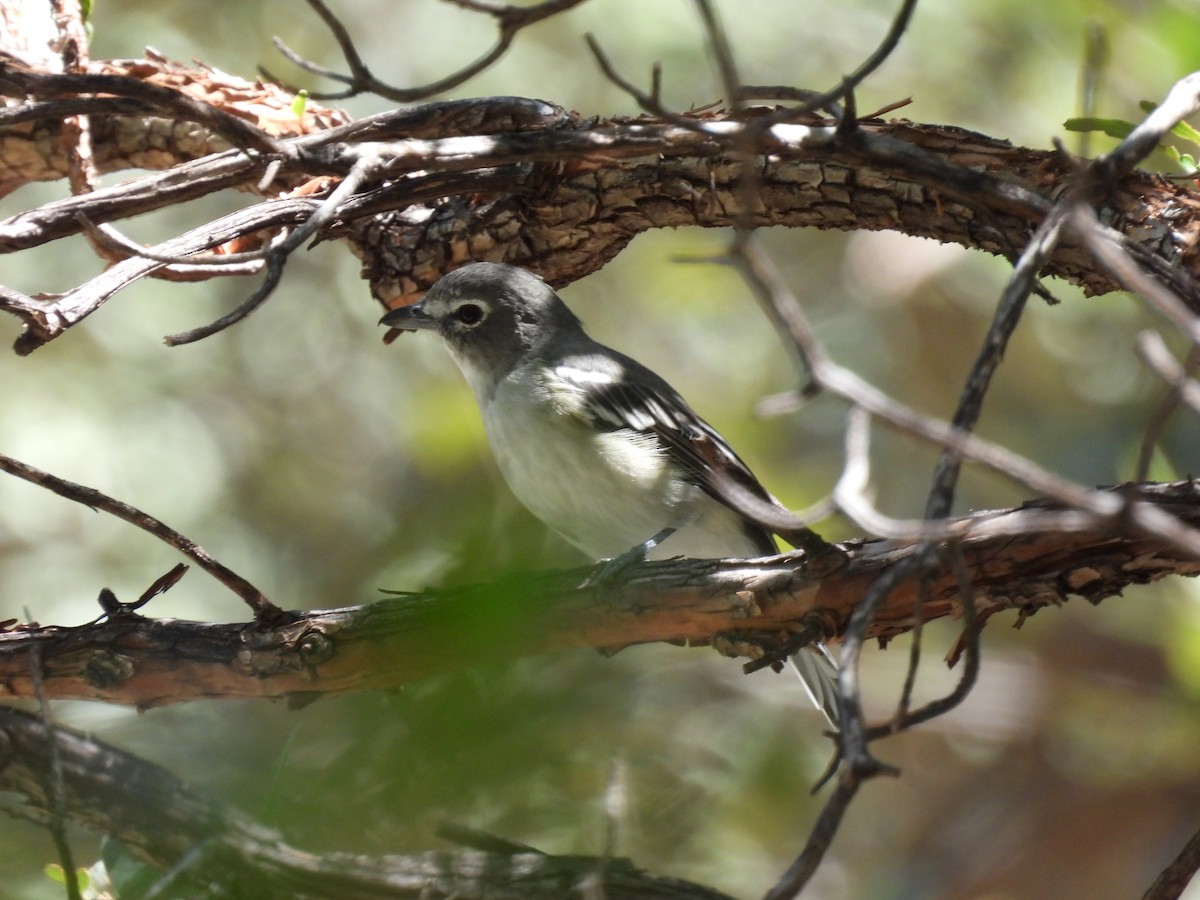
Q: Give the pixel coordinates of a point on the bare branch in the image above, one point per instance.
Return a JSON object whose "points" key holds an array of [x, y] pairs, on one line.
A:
{"points": [[274, 264], [46, 322], [1112, 254], [509, 20], [721, 51], [1004, 323], [1174, 879], [819, 839], [52, 779], [264, 609], [119, 248], [163, 100], [850, 82], [849, 386], [651, 102], [1181, 386], [737, 603], [1154, 351], [1182, 101], [969, 643]]}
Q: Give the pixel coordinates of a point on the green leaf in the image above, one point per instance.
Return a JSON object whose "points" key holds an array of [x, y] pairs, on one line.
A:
{"points": [[300, 103], [57, 874], [1117, 128], [1181, 130], [1187, 132], [1161, 468]]}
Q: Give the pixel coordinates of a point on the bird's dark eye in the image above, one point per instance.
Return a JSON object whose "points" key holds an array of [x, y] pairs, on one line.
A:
{"points": [[469, 314]]}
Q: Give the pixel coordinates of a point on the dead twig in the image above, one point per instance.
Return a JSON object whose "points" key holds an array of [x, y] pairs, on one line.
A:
{"points": [[510, 20], [264, 610]]}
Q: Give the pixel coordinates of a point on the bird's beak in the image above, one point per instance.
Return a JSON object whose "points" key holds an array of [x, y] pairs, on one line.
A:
{"points": [[407, 318]]}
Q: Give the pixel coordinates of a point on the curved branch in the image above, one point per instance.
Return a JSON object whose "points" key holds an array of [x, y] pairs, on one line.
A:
{"points": [[94, 499], [510, 20], [163, 100], [575, 192]]}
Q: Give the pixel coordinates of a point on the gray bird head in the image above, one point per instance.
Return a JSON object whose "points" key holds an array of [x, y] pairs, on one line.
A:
{"points": [[492, 316]]}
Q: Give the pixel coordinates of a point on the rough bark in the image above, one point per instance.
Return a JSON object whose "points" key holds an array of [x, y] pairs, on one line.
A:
{"points": [[558, 193], [742, 607]]}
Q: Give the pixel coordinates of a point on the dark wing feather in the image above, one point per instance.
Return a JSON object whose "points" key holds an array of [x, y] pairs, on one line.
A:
{"points": [[647, 404], [651, 406]]}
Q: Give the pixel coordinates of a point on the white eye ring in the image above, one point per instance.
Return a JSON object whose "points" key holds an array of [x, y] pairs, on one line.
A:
{"points": [[469, 314]]}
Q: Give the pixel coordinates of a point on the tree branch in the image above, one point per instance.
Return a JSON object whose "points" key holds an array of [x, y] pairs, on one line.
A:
{"points": [[200, 842], [509, 21], [562, 195], [743, 607]]}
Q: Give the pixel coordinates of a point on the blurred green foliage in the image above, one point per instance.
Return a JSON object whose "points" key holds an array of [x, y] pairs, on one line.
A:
{"points": [[324, 466]]}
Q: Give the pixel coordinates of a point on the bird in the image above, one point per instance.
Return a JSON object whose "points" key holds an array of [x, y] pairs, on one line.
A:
{"points": [[596, 445]]}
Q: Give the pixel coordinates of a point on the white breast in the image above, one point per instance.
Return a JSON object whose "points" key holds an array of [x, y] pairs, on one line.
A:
{"points": [[603, 492]]}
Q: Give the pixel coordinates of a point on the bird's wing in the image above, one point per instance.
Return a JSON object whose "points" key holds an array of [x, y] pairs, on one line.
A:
{"points": [[648, 405], [818, 672]]}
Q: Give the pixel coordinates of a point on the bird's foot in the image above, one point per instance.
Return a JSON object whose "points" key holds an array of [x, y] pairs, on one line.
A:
{"points": [[610, 570]]}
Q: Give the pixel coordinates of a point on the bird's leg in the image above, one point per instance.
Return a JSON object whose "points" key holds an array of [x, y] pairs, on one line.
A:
{"points": [[609, 570]]}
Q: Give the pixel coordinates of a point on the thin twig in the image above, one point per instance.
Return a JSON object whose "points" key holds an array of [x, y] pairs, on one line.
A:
{"points": [[1095, 60], [819, 839], [787, 93], [509, 19], [1004, 322], [891, 40], [914, 653], [1181, 101], [55, 794], [264, 609], [216, 264], [648, 102], [969, 640], [44, 322], [749, 141], [282, 247], [1113, 255], [1174, 879], [852, 740], [1181, 386], [768, 286], [722, 52], [275, 264]]}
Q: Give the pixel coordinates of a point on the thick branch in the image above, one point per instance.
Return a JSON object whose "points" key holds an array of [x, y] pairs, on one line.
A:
{"points": [[565, 220], [170, 826], [576, 191], [1014, 562]]}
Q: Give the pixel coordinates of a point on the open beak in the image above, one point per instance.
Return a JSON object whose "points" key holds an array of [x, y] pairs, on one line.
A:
{"points": [[406, 318]]}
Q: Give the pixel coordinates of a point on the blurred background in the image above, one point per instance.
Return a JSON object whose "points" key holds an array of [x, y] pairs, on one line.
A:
{"points": [[325, 466]]}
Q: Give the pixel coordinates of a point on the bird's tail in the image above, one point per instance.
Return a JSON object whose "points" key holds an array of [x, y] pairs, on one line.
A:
{"points": [[818, 672]]}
